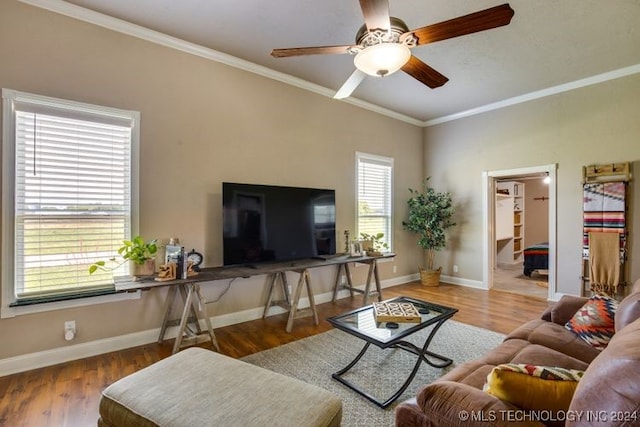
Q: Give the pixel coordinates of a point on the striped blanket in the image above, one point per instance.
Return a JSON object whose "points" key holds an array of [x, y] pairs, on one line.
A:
{"points": [[604, 211]]}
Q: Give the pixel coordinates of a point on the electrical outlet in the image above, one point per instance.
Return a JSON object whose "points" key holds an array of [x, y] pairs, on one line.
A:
{"points": [[455, 268], [343, 279], [69, 330], [70, 325], [395, 269]]}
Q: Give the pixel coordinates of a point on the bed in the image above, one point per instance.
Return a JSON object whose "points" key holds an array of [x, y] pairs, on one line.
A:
{"points": [[536, 257]]}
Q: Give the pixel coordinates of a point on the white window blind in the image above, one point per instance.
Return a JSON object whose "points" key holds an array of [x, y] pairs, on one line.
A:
{"points": [[375, 201], [72, 195]]}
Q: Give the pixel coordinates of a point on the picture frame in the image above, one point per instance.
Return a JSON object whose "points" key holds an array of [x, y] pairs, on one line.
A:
{"points": [[356, 249]]}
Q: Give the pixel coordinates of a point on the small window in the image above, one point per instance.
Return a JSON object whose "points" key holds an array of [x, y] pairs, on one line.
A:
{"points": [[68, 195], [374, 197]]}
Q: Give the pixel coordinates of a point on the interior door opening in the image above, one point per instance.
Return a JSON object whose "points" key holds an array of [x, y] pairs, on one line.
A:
{"points": [[520, 233]]}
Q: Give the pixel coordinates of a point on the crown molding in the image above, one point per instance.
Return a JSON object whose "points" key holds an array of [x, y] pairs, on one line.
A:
{"points": [[554, 90], [124, 27]]}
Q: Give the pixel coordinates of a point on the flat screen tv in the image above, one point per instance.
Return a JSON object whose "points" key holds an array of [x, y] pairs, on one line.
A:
{"points": [[267, 223]]}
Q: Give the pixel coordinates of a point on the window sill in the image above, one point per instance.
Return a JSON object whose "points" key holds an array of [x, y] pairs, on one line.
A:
{"points": [[8, 312]]}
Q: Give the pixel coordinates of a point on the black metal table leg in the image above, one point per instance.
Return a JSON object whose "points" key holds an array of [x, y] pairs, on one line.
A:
{"points": [[422, 354]]}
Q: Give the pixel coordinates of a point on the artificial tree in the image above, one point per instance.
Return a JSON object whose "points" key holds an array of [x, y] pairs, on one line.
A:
{"points": [[430, 215]]}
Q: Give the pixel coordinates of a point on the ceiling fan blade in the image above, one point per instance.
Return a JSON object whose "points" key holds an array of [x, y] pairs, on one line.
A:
{"points": [[463, 25], [424, 73], [376, 14], [350, 85], [316, 50]]}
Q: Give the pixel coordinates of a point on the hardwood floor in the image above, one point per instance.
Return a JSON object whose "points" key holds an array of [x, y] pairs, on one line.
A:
{"points": [[509, 278], [68, 394]]}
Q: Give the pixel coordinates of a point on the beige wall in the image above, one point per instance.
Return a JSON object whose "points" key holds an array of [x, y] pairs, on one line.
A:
{"points": [[202, 123], [591, 125], [536, 225]]}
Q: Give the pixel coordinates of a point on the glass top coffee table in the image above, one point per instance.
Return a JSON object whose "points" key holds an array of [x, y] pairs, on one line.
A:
{"points": [[362, 324]]}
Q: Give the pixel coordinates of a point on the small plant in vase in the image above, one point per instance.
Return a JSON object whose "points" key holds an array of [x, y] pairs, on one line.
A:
{"points": [[373, 244], [140, 253], [430, 215]]}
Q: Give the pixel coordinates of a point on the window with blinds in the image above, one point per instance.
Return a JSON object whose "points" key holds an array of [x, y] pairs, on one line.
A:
{"points": [[71, 182], [374, 197]]}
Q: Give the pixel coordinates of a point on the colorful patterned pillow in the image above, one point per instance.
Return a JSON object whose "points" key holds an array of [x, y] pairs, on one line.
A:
{"points": [[594, 322], [533, 387]]}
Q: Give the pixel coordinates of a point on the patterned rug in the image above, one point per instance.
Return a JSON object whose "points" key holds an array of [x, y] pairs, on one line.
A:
{"points": [[380, 372]]}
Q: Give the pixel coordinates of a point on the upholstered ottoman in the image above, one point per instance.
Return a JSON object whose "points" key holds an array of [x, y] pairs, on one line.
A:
{"points": [[198, 387]]}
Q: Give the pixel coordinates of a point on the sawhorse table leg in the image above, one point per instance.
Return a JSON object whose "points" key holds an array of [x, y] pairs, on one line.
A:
{"points": [[201, 303], [366, 293], [286, 303], [373, 271], [294, 311], [193, 304], [168, 305], [337, 286]]}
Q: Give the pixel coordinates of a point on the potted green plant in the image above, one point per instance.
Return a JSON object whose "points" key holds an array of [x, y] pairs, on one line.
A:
{"points": [[373, 244], [430, 215], [140, 253]]}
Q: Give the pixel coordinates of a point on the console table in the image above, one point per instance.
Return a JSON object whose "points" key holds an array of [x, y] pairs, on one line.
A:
{"points": [[193, 304]]}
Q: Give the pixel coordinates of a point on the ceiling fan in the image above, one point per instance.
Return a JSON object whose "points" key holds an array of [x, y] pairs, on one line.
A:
{"points": [[383, 43]]}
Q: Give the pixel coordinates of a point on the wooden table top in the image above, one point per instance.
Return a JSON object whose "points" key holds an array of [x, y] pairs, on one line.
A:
{"points": [[220, 273]]}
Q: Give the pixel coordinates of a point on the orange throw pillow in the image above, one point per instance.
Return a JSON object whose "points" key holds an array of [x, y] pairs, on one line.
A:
{"points": [[595, 321]]}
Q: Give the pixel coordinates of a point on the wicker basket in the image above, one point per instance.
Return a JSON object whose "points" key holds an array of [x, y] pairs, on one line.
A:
{"points": [[430, 277]]}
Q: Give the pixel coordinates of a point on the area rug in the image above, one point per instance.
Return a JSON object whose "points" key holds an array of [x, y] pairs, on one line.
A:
{"points": [[380, 372]]}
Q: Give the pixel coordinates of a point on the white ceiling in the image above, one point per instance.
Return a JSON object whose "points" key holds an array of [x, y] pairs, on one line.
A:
{"points": [[548, 43]]}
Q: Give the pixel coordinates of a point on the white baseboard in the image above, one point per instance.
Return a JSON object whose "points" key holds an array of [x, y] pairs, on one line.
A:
{"points": [[479, 285], [463, 282], [58, 355], [55, 356]]}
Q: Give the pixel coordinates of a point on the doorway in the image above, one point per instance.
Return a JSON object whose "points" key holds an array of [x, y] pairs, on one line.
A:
{"points": [[519, 223]]}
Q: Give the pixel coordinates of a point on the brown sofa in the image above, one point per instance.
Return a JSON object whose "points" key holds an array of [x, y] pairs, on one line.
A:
{"points": [[608, 394]]}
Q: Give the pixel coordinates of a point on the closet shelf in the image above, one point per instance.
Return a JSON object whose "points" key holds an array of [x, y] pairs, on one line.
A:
{"points": [[510, 212]]}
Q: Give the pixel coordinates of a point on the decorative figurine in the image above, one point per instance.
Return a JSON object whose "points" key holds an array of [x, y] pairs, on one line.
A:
{"points": [[166, 272], [191, 269]]}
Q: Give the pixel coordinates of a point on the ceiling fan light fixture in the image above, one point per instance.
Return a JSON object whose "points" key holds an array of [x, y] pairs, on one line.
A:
{"points": [[382, 59]]}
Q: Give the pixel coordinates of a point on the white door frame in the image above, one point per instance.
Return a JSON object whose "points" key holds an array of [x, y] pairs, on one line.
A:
{"points": [[489, 179]]}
